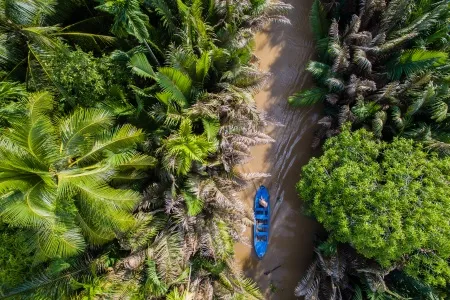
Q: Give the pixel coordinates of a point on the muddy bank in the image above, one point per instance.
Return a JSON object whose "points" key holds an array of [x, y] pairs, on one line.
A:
{"points": [[284, 51]]}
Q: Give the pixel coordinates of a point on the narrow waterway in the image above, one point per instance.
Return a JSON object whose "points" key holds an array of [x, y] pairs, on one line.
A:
{"points": [[283, 50]]}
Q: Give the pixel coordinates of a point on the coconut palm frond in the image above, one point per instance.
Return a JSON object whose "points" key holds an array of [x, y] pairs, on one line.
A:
{"points": [[176, 84], [141, 67], [166, 252], [319, 22], [424, 98], [308, 97], [319, 71], [310, 283], [378, 123], [60, 282], [164, 11], [362, 62], [413, 61], [396, 14]]}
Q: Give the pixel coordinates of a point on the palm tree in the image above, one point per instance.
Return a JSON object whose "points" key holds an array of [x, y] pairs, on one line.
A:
{"points": [[326, 277], [55, 174], [129, 20], [331, 275], [64, 279], [29, 32], [389, 78], [183, 148], [202, 104]]}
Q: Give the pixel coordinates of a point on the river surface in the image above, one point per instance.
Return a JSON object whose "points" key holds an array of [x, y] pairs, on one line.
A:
{"points": [[283, 50]]}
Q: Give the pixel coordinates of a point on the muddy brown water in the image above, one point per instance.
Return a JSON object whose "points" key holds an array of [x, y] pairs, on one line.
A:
{"points": [[283, 50]]}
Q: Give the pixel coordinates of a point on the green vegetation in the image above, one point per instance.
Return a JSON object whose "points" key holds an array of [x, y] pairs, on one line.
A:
{"points": [[121, 123], [56, 178], [388, 200], [15, 258], [383, 65], [333, 274], [380, 188]]}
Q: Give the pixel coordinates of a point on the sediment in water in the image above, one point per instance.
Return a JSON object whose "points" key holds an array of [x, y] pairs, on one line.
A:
{"points": [[284, 51]]}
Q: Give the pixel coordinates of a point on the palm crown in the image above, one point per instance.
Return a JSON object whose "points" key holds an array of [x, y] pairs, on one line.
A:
{"points": [[382, 65], [55, 175]]}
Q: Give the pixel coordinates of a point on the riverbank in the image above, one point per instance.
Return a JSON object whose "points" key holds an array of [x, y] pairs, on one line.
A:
{"points": [[283, 50]]}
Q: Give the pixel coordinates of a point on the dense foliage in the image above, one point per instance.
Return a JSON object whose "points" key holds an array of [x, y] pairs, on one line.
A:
{"points": [[122, 121], [382, 65], [388, 200], [337, 273], [15, 258], [55, 179], [382, 69]]}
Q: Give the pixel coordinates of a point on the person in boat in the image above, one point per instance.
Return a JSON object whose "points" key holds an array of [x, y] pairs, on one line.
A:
{"points": [[263, 202]]}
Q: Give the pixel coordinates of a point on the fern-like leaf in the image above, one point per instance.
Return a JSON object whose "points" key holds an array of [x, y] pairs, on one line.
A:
{"points": [[141, 67], [308, 97], [413, 61]]}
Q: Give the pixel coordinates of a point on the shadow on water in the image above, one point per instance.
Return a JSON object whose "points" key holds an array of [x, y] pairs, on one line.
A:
{"points": [[283, 50]]}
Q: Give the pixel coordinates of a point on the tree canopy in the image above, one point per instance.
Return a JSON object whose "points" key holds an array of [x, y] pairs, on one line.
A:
{"points": [[56, 173], [121, 123], [382, 65], [391, 201]]}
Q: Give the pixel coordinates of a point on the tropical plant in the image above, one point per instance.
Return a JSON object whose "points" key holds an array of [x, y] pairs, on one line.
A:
{"points": [[56, 175], [411, 288], [86, 80], [128, 20], [387, 200], [183, 148], [332, 276], [29, 31], [15, 258], [384, 66], [67, 279], [194, 98], [202, 103]]}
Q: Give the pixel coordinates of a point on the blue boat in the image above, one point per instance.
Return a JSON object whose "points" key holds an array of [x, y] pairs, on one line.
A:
{"points": [[262, 218]]}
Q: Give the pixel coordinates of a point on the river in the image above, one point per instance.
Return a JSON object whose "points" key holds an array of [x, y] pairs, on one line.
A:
{"points": [[283, 51]]}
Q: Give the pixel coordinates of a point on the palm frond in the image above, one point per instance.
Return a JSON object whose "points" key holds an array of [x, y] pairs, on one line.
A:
{"points": [[87, 40], [417, 102], [412, 61], [202, 66], [362, 62], [153, 286], [164, 11], [396, 14], [320, 24], [112, 140], [378, 123], [310, 283], [425, 21], [439, 110], [59, 241], [308, 97], [194, 204], [39, 103], [396, 117], [166, 252], [37, 138], [29, 13], [79, 127], [176, 83], [141, 67], [319, 70], [57, 284], [11, 91]]}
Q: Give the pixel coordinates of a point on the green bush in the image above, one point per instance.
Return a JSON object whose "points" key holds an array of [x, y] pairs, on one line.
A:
{"points": [[390, 201], [16, 258]]}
